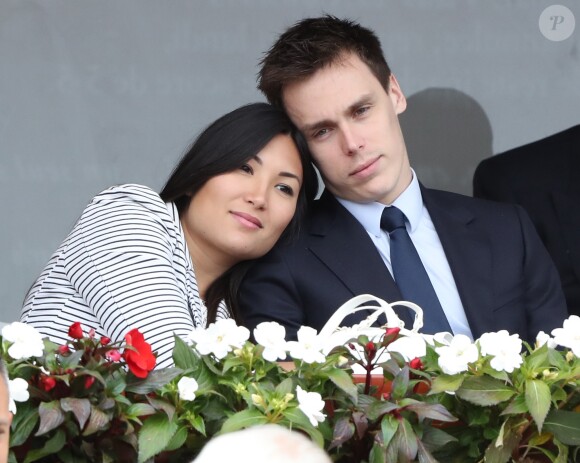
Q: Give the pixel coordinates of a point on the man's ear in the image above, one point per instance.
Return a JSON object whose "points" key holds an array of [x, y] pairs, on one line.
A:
{"points": [[396, 95]]}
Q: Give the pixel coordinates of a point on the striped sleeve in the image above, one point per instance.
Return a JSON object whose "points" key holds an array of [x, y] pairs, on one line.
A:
{"points": [[120, 258]]}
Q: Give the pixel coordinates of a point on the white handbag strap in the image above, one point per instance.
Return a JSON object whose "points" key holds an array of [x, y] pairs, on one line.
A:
{"points": [[357, 303]]}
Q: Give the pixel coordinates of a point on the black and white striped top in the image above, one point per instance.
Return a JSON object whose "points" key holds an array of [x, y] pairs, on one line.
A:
{"points": [[124, 265]]}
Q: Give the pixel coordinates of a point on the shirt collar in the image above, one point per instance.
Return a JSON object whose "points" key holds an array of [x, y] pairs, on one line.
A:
{"points": [[409, 201]]}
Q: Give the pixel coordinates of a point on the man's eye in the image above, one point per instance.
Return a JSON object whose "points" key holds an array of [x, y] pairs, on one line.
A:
{"points": [[286, 189], [320, 133], [362, 110], [247, 168]]}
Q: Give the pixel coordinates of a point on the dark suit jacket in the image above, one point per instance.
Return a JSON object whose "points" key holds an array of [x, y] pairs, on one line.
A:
{"points": [[504, 275], [544, 178]]}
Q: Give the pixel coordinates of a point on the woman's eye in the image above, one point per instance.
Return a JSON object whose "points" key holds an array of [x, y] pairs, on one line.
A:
{"points": [[247, 168], [286, 189]]}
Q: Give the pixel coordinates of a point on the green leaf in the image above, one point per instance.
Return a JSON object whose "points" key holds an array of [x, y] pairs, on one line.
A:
{"points": [[97, 421], [557, 359], [51, 417], [184, 356], [379, 408], [435, 438], [342, 432], [155, 435], [538, 359], [199, 425], [138, 410], [538, 400], [424, 454], [377, 454], [23, 423], [51, 446], [432, 411], [389, 427], [285, 387], [485, 391], [400, 383], [81, 409], [406, 440], [177, 440], [155, 380], [564, 425], [517, 406], [299, 420], [562, 452], [343, 381], [116, 385], [71, 361], [500, 450], [160, 404], [243, 419], [445, 383]]}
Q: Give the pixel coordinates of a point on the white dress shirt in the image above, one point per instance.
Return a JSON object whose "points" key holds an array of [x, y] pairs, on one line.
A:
{"points": [[424, 236]]}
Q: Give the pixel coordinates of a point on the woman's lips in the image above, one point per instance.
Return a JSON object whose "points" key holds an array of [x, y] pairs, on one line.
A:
{"points": [[247, 219]]}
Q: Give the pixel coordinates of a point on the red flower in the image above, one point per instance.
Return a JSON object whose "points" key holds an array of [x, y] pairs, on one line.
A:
{"points": [[64, 349], [105, 340], [92, 333], [113, 355], [47, 382], [390, 335], [416, 364], [89, 380], [75, 331], [371, 350], [140, 359]]}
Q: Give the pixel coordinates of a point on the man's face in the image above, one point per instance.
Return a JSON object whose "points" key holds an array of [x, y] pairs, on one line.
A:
{"points": [[352, 128], [5, 420]]}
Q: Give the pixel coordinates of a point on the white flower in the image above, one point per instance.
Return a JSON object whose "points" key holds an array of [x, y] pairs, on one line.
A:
{"points": [[309, 346], [311, 404], [26, 341], [443, 338], [271, 336], [187, 388], [219, 338], [409, 347], [17, 391], [569, 335], [505, 349], [456, 357], [544, 338]]}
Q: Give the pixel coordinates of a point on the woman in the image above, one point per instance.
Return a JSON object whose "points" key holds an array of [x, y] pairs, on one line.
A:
{"points": [[170, 262]]}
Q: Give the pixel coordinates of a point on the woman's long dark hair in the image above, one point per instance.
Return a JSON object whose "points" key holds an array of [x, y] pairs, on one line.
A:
{"points": [[224, 146]]}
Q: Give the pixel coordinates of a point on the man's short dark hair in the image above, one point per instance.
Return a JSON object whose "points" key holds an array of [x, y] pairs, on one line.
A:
{"points": [[314, 43]]}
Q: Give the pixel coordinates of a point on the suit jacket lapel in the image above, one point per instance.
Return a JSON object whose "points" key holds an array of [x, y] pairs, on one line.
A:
{"points": [[467, 252], [343, 245]]}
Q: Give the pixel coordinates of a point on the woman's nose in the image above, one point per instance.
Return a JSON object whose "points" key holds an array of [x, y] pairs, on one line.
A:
{"points": [[256, 195]]}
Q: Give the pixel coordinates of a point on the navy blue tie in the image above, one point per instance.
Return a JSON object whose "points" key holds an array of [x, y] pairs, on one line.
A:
{"points": [[410, 274]]}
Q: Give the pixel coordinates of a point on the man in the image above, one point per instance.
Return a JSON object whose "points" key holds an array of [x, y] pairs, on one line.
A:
{"points": [[543, 178], [484, 260], [5, 415]]}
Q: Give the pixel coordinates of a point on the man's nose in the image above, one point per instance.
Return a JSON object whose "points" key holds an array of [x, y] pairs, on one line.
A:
{"points": [[353, 142]]}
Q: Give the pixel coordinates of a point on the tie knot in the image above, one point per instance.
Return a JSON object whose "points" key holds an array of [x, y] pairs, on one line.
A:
{"points": [[392, 218]]}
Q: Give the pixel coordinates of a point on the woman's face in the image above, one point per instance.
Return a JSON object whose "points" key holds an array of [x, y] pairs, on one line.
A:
{"points": [[241, 214]]}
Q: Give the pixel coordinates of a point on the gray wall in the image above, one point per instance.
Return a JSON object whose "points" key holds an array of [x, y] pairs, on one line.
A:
{"points": [[94, 93]]}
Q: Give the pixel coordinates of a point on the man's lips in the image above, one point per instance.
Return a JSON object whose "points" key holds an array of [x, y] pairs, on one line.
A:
{"points": [[247, 219], [361, 168]]}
